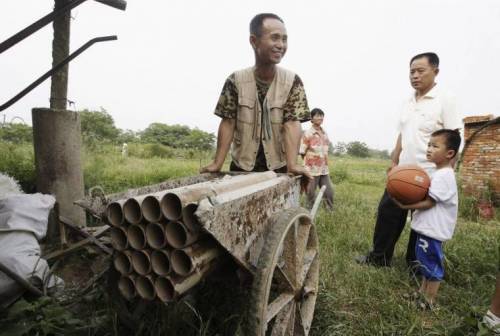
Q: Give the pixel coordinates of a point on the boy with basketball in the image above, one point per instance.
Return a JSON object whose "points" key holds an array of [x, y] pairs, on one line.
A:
{"points": [[435, 217]]}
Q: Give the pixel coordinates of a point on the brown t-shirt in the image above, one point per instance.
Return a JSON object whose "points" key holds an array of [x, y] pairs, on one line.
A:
{"points": [[294, 109]]}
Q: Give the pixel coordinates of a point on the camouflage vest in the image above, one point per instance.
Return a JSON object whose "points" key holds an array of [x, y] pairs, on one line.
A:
{"points": [[255, 125]]}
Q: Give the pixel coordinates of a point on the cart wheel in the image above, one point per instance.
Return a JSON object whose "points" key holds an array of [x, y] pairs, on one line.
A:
{"points": [[285, 286]]}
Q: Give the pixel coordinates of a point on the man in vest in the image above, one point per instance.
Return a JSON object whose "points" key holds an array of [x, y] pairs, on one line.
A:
{"points": [[262, 107]]}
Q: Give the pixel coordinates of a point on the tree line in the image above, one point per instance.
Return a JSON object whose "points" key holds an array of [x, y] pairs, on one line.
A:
{"points": [[99, 127]]}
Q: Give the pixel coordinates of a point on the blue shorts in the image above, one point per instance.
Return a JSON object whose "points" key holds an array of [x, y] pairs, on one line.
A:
{"points": [[430, 257]]}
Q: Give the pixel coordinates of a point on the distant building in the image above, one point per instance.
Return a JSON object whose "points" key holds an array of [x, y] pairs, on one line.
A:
{"points": [[480, 168]]}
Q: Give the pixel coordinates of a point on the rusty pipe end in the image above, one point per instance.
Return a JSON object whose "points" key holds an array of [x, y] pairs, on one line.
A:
{"points": [[141, 262], [151, 209], [136, 235], [171, 206], [160, 262], [181, 263], [123, 262], [126, 286], [145, 287], [114, 214], [155, 235], [176, 233], [132, 211], [119, 238], [189, 218], [164, 289]]}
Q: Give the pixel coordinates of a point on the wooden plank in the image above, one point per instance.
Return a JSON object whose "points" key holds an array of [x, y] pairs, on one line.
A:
{"points": [[75, 246]]}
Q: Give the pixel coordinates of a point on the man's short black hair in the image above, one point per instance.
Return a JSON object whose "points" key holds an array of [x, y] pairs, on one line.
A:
{"points": [[256, 23], [317, 111], [432, 58], [452, 138]]}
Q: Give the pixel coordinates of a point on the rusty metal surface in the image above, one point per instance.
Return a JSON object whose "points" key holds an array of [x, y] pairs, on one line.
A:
{"points": [[239, 225], [237, 220], [96, 203]]}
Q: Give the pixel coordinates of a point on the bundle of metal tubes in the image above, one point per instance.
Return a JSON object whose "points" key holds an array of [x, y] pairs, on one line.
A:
{"points": [[161, 249]]}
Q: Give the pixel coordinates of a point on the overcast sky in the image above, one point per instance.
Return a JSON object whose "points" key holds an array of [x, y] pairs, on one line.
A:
{"points": [[172, 57]]}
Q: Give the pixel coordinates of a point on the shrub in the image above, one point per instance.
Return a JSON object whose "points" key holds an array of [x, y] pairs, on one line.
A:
{"points": [[18, 161]]}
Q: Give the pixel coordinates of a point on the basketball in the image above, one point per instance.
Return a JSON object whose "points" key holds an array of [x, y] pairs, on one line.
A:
{"points": [[408, 183]]}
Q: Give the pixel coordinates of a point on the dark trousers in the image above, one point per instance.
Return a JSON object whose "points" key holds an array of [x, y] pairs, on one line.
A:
{"points": [[318, 182], [235, 168], [391, 221]]}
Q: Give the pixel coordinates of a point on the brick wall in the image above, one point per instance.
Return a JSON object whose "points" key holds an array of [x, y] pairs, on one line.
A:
{"points": [[481, 157]]}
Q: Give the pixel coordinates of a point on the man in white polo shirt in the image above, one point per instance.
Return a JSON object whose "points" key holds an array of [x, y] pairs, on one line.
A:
{"points": [[427, 110]]}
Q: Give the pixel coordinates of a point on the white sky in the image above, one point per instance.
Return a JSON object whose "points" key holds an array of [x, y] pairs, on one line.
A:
{"points": [[172, 57]]}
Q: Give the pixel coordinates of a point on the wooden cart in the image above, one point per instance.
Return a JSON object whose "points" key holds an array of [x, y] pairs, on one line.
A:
{"points": [[269, 236]]}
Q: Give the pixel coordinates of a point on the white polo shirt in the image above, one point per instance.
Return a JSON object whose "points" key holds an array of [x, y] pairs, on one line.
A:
{"points": [[439, 221], [419, 119]]}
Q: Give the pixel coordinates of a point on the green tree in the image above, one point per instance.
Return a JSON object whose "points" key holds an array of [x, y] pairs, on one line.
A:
{"points": [[178, 136], [340, 148], [98, 126], [358, 149], [16, 133]]}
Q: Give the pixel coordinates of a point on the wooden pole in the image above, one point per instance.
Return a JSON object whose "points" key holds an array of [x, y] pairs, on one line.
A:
{"points": [[60, 50]]}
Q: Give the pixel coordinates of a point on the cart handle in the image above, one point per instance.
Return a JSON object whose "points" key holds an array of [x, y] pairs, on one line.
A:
{"points": [[317, 202]]}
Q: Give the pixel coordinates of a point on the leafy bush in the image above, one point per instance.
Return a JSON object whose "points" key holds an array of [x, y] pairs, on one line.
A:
{"points": [[16, 133], [18, 161]]}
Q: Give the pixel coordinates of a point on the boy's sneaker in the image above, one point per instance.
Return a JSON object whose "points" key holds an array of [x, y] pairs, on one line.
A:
{"points": [[492, 322]]}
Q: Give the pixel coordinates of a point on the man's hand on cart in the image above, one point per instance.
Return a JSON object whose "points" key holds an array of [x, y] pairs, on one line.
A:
{"points": [[306, 179], [211, 168]]}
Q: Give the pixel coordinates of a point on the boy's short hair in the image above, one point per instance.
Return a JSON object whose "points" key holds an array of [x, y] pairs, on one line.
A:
{"points": [[317, 111], [452, 138]]}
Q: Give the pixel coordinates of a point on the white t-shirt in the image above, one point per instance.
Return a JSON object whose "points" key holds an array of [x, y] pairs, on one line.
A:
{"points": [[419, 119], [439, 221]]}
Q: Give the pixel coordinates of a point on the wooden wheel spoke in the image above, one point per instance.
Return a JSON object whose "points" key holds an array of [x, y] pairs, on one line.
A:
{"points": [[285, 320], [278, 306], [284, 283], [289, 261], [299, 323], [303, 231], [309, 256], [306, 312]]}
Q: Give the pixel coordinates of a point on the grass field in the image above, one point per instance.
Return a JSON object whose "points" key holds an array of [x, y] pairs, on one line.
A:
{"points": [[353, 299]]}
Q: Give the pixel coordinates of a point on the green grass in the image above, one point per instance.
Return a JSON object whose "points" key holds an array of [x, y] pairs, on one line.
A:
{"points": [[361, 300], [353, 299]]}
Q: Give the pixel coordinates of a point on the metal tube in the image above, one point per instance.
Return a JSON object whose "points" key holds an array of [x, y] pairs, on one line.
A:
{"points": [[118, 4], [126, 286], [186, 261], [174, 200], [123, 262], [160, 262], [55, 69], [189, 218], [151, 209], [119, 238], [136, 235], [155, 235], [145, 287], [164, 289], [178, 235], [114, 213], [141, 262], [132, 210], [182, 284]]}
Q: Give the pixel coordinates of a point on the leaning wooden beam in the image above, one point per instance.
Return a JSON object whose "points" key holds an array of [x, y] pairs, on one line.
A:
{"points": [[20, 280], [85, 234], [75, 246]]}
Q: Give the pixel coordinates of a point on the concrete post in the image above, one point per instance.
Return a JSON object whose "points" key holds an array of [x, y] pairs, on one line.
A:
{"points": [[57, 142]]}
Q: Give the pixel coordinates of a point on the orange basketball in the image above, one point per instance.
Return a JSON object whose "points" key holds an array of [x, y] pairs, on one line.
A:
{"points": [[408, 183]]}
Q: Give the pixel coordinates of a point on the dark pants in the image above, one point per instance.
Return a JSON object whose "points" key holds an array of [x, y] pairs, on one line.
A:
{"points": [[391, 221], [235, 168], [318, 182]]}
